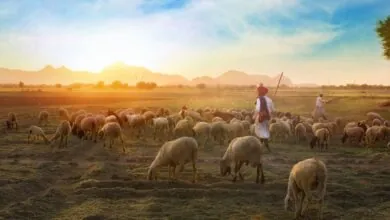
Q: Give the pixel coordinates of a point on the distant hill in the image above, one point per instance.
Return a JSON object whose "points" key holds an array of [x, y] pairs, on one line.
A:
{"points": [[131, 75]]}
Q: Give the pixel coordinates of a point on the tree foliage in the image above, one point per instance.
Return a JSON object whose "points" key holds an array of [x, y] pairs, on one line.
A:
{"points": [[146, 85], [383, 32]]}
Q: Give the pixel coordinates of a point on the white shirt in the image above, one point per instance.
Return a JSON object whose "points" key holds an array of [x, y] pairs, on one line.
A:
{"points": [[270, 104], [319, 102]]}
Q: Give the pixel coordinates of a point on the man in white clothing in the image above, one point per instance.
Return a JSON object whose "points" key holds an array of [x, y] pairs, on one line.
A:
{"points": [[320, 109], [262, 126]]}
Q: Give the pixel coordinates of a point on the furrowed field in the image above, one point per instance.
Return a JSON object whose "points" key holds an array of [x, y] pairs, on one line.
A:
{"points": [[87, 181]]}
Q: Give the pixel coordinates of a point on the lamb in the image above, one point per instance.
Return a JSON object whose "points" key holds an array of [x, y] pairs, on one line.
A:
{"points": [[63, 132], [43, 117], [242, 150], [88, 127], [12, 121], [202, 133], [111, 131], [306, 175], [300, 132], [321, 138], [161, 126], [36, 132], [174, 153]]}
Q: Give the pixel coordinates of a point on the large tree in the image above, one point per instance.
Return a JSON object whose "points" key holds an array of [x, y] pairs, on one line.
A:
{"points": [[383, 31]]}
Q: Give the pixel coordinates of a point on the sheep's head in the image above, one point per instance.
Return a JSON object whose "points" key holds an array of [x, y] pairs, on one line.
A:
{"points": [[225, 168], [151, 174], [288, 203]]}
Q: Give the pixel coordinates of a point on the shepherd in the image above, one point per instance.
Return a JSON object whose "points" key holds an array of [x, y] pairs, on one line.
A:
{"points": [[319, 110], [263, 110]]}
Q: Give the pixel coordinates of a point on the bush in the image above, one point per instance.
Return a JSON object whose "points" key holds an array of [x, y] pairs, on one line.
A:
{"points": [[146, 85]]}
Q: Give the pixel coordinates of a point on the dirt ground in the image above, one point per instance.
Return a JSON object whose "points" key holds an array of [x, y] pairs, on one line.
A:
{"points": [[87, 181]]}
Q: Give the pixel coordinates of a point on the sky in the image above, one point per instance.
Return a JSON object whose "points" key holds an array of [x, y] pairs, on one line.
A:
{"points": [[321, 41]]}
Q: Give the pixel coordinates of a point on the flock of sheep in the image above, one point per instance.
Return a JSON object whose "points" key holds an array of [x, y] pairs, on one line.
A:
{"points": [[185, 132]]}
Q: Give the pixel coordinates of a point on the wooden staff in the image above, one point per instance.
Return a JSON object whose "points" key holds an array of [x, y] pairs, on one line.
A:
{"points": [[277, 87]]}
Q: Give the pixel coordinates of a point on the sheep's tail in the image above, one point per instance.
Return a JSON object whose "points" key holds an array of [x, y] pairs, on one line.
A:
{"points": [[45, 138], [313, 141], [344, 138]]}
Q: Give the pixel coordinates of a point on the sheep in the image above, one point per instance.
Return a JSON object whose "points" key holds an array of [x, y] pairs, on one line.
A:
{"points": [[386, 123], [193, 114], [12, 121], [74, 115], [306, 175], [183, 128], [375, 133], [88, 127], [100, 120], [218, 132], [64, 114], [373, 115], [63, 131], [216, 119], [278, 130], [226, 116], [36, 132], [321, 138], [246, 125], [137, 123], [376, 122], [112, 131], [77, 124], [353, 133], [148, 116], [43, 117], [174, 153], [202, 133], [110, 118], [235, 129], [300, 132], [161, 126], [388, 145], [246, 149]]}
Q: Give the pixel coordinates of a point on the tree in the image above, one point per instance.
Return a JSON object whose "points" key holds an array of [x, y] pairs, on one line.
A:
{"points": [[100, 85], [116, 84], [145, 85], [58, 85], [201, 86], [21, 84], [383, 32]]}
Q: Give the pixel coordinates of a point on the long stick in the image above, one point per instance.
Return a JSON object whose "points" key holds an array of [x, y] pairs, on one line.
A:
{"points": [[277, 87]]}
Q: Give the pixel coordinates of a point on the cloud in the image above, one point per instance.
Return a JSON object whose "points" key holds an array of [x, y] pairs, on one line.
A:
{"points": [[189, 37]]}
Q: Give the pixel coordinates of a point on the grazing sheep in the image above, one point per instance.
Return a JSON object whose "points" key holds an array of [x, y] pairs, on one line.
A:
{"points": [[386, 123], [375, 133], [235, 129], [74, 115], [174, 153], [242, 150], [12, 121], [300, 132], [161, 127], [100, 120], [353, 133], [111, 131], [148, 116], [43, 117], [226, 116], [218, 132], [63, 132], [305, 176], [77, 124], [36, 132], [278, 131], [193, 114], [110, 118], [202, 133], [320, 138], [88, 128], [138, 124], [183, 128]]}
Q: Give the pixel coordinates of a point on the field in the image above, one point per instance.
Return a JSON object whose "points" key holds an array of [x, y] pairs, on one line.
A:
{"points": [[87, 181]]}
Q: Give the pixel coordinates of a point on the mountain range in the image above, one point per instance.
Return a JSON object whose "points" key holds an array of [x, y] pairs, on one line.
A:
{"points": [[131, 75]]}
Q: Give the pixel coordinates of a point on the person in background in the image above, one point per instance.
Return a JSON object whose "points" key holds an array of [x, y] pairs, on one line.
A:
{"points": [[320, 109], [264, 108]]}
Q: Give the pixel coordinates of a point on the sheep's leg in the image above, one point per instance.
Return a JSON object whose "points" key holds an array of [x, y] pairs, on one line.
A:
{"points": [[28, 138], [123, 144], [61, 139], [169, 172], [194, 171], [320, 204], [306, 200], [66, 141], [299, 204], [260, 169], [237, 168]]}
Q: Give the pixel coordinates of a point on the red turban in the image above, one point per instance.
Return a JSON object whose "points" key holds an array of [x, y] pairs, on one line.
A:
{"points": [[261, 90]]}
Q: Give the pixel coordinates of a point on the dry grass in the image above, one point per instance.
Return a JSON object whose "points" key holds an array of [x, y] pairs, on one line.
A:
{"points": [[87, 181]]}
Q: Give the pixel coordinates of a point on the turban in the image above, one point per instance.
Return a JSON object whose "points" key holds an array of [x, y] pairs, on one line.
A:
{"points": [[261, 90]]}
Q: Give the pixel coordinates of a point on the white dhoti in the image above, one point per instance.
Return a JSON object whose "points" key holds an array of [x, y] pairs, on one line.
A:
{"points": [[262, 129]]}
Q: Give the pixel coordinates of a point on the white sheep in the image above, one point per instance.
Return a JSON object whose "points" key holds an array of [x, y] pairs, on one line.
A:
{"points": [[64, 114], [202, 133], [373, 115], [111, 131], [36, 132], [376, 122], [355, 133], [174, 153], [88, 128], [77, 124], [306, 175], [63, 132], [161, 127], [300, 132], [100, 120], [248, 150], [320, 138], [43, 117], [219, 132], [375, 133], [12, 121], [183, 128]]}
